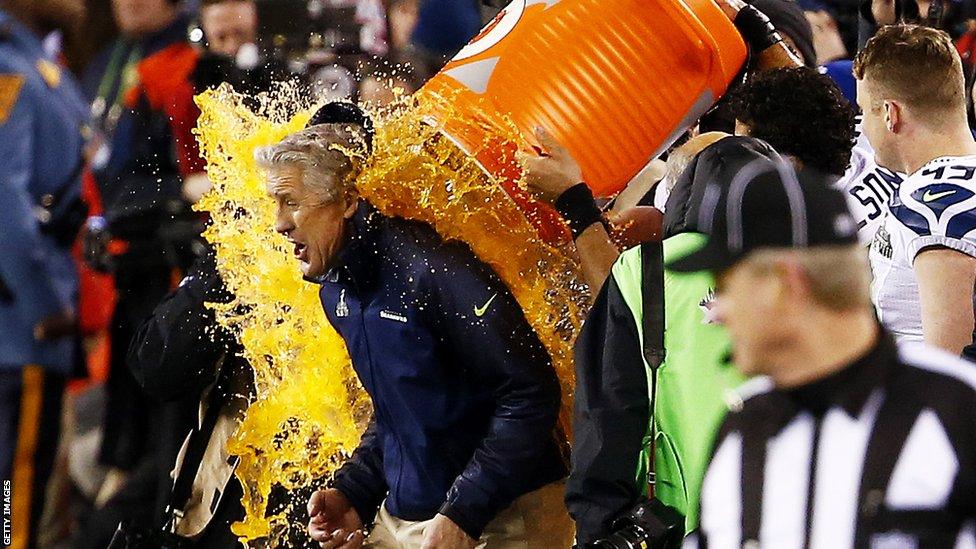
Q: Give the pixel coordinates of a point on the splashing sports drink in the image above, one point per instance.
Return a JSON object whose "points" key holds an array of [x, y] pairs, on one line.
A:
{"points": [[614, 80]]}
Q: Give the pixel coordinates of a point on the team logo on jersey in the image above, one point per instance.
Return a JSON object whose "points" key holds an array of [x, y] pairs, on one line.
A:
{"points": [[939, 196]]}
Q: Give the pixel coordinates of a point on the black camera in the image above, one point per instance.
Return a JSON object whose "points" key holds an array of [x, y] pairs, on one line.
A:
{"points": [[132, 536], [649, 525]]}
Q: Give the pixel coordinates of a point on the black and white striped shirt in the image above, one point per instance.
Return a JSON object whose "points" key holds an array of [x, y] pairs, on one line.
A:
{"points": [[881, 454]]}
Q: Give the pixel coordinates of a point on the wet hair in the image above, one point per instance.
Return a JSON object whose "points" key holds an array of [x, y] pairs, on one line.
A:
{"points": [[800, 113], [330, 155], [344, 112]]}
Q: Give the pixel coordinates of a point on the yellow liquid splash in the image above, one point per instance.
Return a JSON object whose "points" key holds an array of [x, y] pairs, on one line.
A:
{"points": [[310, 408]]}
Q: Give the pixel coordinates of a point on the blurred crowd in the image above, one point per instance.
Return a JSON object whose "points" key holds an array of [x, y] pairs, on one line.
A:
{"points": [[105, 291]]}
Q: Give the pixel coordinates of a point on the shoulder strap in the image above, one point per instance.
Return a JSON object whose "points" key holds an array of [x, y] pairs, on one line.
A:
{"points": [[652, 326], [652, 303], [199, 439]]}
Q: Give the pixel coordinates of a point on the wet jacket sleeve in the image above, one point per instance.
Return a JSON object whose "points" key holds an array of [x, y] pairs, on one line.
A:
{"points": [[361, 478], [25, 269], [484, 326], [611, 413], [175, 351]]}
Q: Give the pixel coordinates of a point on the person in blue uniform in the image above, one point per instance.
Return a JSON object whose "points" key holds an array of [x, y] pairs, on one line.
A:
{"points": [[42, 117]]}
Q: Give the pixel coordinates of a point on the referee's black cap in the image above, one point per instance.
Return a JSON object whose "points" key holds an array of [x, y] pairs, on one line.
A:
{"points": [[765, 204]]}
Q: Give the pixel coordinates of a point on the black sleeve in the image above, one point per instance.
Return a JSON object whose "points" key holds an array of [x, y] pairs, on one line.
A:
{"points": [[611, 415], [175, 351], [361, 478], [487, 330]]}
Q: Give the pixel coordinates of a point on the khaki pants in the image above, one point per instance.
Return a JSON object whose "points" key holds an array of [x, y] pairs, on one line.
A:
{"points": [[537, 520]]}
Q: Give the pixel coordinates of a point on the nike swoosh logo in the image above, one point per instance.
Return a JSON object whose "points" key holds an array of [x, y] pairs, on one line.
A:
{"points": [[929, 196], [480, 311]]}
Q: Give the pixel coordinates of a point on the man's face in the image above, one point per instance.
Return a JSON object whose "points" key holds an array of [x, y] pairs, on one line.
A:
{"points": [[229, 25], [137, 18], [315, 229], [875, 126], [750, 305]]}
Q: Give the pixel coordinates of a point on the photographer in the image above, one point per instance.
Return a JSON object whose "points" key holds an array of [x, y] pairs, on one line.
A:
{"points": [[149, 173], [642, 419], [180, 350]]}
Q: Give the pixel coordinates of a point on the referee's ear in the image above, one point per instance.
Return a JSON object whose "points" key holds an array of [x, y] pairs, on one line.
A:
{"points": [[794, 281]]}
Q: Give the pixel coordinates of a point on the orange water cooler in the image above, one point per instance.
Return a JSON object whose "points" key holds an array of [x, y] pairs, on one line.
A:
{"points": [[615, 81]]}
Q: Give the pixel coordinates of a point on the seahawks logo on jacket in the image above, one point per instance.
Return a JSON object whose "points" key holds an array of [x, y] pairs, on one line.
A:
{"points": [[707, 305]]}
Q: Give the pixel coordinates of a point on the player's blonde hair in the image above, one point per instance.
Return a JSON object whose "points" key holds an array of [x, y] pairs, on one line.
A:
{"points": [[916, 65]]}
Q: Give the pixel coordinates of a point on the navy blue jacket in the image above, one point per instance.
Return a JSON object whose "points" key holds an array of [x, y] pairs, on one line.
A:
{"points": [[465, 397], [42, 117]]}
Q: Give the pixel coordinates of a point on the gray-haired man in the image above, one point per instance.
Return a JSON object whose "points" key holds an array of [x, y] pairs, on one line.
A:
{"points": [[461, 451]]}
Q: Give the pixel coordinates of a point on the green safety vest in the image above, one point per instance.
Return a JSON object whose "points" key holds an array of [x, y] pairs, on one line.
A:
{"points": [[692, 381]]}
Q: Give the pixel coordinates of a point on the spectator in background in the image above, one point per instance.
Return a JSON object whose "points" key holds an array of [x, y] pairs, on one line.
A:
{"points": [[228, 25], [947, 15], [792, 24], [231, 55], [827, 41], [42, 121], [142, 106], [381, 83], [911, 86], [442, 28]]}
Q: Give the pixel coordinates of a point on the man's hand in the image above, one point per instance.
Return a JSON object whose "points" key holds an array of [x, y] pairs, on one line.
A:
{"points": [[333, 522], [550, 174], [60, 324], [443, 533]]}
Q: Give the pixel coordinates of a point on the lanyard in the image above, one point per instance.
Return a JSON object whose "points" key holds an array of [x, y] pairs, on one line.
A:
{"points": [[127, 76]]}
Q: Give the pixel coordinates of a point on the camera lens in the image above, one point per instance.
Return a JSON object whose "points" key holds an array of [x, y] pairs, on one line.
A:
{"points": [[628, 538]]}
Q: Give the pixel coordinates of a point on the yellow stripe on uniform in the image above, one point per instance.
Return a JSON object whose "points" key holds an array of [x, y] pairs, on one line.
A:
{"points": [[31, 399], [10, 85]]}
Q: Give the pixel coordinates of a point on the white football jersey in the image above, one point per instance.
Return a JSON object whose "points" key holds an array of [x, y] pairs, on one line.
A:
{"points": [[935, 206], [868, 187]]}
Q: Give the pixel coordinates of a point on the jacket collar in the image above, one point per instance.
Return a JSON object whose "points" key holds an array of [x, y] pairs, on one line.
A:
{"points": [[851, 387], [357, 260]]}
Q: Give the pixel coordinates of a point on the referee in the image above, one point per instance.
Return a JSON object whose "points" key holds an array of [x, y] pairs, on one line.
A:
{"points": [[844, 439]]}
